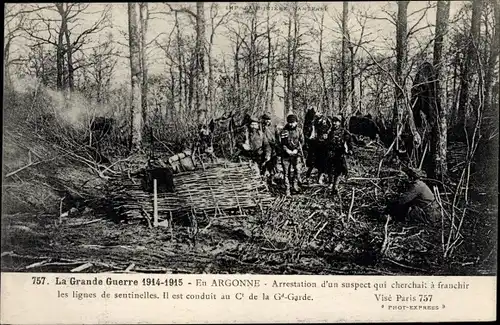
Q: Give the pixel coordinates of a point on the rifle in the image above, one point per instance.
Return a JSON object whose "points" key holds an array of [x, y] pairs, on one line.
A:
{"points": [[302, 156]]}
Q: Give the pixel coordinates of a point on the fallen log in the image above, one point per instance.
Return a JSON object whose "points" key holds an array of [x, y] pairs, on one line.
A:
{"points": [[82, 267]]}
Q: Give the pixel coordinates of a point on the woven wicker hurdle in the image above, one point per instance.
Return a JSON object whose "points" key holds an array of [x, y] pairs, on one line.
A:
{"points": [[215, 187]]}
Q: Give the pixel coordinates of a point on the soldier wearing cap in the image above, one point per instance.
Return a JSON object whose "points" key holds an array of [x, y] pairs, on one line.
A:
{"points": [[271, 159], [417, 203], [256, 147], [339, 144], [291, 141]]}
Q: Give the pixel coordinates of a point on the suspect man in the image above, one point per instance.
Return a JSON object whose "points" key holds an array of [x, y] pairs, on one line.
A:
{"points": [[291, 142]]}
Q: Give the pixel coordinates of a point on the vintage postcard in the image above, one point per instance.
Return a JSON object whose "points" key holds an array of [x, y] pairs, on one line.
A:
{"points": [[250, 162]]}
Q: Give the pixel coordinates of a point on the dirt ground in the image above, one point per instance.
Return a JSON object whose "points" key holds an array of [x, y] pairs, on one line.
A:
{"points": [[309, 233]]}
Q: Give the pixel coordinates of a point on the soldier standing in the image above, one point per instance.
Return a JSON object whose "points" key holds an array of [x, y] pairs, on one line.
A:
{"points": [[256, 147], [322, 126], [291, 142], [271, 160], [204, 145], [339, 143]]}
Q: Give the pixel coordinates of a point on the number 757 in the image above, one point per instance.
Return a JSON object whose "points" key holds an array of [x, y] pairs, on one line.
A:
{"points": [[38, 280], [425, 298]]}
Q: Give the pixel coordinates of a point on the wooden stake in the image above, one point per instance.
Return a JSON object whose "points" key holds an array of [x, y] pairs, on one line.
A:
{"points": [[155, 204], [171, 227], [423, 156], [60, 210], [349, 215]]}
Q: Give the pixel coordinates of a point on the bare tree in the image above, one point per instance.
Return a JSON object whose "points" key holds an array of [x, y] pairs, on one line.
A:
{"points": [[135, 69], [492, 61], [401, 103], [14, 22], [100, 68], [201, 100], [288, 71], [345, 45], [439, 118], [294, 50], [325, 98], [215, 22], [144, 17], [470, 59], [401, 58], [61, 33]]}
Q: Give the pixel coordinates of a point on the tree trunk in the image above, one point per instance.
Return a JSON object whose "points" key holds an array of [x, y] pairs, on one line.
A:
{"points": [[439, 113], [237, 73], [345, 44], [273, 85], [71, 71], [168, 113], [401, 58], [201, 104], [190, 84], [180, 60], [61, 50], [470, 60], [143, 12], [489, 111], [99, 86], [6, 66], [69, 54], [352, 89], [69, 49], [294, 56], [456, 89], [252, 65], [326, 103], [269, 66], [60, 58], [360, 104], [332, 80], [288, 71], [211, 77], [211, 86], [135, 74]]}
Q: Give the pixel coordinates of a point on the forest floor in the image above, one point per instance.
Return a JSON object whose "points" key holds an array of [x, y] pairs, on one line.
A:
{"points": [[308, 233]]}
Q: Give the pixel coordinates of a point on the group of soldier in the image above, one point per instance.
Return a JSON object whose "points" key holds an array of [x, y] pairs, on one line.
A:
{"points": [[324, 141]]}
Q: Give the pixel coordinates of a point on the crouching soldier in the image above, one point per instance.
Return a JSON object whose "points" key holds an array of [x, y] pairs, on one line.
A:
{"points": [[291, 142], [417, 204], [339, 144], [256, 147]]}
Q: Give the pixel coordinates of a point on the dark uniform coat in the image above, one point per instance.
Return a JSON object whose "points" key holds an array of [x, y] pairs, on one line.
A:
{"points": [[417, 203], [339, 141], [291, 139]]}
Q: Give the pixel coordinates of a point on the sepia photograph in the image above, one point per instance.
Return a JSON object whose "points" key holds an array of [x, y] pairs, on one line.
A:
{"points": [[264, 138]]}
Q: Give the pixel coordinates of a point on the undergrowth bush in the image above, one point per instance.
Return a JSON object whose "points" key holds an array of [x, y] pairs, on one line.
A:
{"points": [[42, 132]]}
